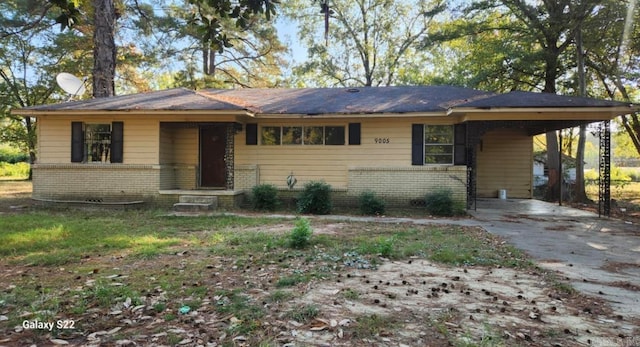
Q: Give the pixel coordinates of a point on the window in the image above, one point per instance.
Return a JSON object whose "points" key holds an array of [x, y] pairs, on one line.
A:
{"points": [[438, 144], [299, 135], [96, 143], [313, 135], [334, 135], [97, 139], [291, 135], [271, 136]]}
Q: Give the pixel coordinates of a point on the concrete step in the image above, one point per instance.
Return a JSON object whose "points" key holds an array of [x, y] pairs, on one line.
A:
{"points": [[192, 207], [199, 199]]}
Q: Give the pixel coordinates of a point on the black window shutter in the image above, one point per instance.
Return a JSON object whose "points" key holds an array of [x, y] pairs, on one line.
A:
{"points": [[354, 133], [117, 135], [252, 134], [417, 144], [77, 142], [460, 144]]}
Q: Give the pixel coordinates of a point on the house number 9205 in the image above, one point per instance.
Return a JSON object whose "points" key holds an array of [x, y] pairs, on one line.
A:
{"points": [[381, 140]]}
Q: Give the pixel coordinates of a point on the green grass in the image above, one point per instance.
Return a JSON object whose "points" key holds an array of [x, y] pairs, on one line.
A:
{"points": [[368, 326], [42, 238], [303, 313], [181, 257]]}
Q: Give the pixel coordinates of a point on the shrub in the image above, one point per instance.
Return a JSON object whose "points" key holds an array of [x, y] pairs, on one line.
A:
{"points": [[441, 203], [17, 170], [370, 204], [265, 197], [315, 198], [300, 236], [12, 155]]}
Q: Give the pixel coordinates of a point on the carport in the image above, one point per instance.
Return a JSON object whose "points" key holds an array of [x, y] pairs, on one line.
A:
{"points": [[520, 112]]}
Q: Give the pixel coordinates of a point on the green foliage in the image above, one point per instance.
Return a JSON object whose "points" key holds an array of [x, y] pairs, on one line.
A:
{"points": [[18, 170], [617, 174], [315, 198], [370, 204], [12, 155], [383, 52], [265, 197], [300, 236], [441, 203], [380, 245]]}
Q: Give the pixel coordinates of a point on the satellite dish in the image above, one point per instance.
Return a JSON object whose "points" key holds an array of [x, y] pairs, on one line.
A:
{"points": [[71, 84]]}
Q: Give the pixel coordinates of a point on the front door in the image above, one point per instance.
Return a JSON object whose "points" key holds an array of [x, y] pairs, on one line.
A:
{"points": [[213, 146]]}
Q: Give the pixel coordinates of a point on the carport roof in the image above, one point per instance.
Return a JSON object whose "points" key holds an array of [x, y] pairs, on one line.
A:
{"points": [[317, 101]]}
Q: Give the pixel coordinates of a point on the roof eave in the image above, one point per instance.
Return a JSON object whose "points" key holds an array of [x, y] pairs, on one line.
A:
{"points": [[540, 113], [348, 115], [36, 113]]}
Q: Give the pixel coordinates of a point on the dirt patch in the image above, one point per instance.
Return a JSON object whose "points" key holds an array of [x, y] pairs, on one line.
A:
{"points": [[413, 302], [617, 267], [459, 302], [15, 196]]}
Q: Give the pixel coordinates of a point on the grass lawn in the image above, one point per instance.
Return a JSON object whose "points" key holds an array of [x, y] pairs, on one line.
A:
{"points": [[120, 278]]}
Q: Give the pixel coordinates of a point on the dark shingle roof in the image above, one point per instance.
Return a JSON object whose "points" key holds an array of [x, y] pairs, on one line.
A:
{"points": [[171, 99], [312, 101], [519, 99], [349, 100]]}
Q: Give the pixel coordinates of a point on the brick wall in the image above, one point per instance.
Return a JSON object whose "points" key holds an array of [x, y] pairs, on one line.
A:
{"points": [[398, 186], [246, 177], [178, 176], [96, 182]]}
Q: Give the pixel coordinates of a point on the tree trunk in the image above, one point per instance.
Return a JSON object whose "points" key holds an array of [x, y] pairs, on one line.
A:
{"points": [[580, 195], [553, 159], [553, 156], [104, 50]]}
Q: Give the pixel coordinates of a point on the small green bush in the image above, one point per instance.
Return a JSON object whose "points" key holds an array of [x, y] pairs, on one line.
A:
{"points": [[315, 198], [300, 236], [370, 204], [441, 203], [264, 197], [12, 155]]}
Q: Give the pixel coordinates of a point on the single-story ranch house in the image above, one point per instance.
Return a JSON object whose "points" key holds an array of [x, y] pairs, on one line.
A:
{"points": [[400, 142]]}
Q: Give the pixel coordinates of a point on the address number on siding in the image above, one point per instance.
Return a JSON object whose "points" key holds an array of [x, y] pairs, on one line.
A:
{"points": [[381, 140]]}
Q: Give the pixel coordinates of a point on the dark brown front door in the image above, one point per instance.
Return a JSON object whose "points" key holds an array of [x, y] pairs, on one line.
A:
{"points": [[212, 149]]}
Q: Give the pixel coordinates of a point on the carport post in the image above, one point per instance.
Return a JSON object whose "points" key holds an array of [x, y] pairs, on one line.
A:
{"points": [[560, 176]]}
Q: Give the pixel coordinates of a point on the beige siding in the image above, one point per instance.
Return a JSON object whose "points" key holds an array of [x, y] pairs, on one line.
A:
{"points": [[141, 140], [179, 157], [332, 163], [185, 146], [505, 161]]}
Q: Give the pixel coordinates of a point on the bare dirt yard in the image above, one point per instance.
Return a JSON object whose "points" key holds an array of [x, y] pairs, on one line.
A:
{"points": [[144, 279]]}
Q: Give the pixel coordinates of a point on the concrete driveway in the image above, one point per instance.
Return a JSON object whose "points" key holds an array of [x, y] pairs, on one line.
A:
{"points": [[600, 256]]}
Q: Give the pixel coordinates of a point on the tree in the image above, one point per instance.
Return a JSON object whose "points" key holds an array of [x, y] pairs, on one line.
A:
{"points": [[369, 42], [207, 23], [29, 58], [613, 53], [545, 30], [104, 48], [252, 58]]}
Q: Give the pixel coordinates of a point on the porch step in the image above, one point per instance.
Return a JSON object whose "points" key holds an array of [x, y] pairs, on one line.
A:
{"points": [[190, 207], [199, 199], [195, 203]]}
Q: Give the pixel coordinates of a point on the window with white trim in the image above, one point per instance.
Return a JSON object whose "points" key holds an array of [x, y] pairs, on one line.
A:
{"points": [[438, 144]]}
